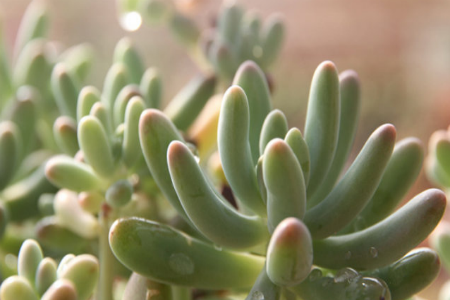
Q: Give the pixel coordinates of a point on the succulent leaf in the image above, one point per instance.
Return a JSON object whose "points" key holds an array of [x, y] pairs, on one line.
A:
{"points": [[151, 88], [350, 101], [187, 104], [29, 258], [275, 126], [253, 81], [166, 255], [235, 151], [410, 274], [290, 253], [65, 132], [385, 242], [89, 95], [402, 170], [322, 124], [126, 53], [283, 178], [356, 188], [298, 145], [213, 216], [68, 173], [94, 143], [156, 132]]}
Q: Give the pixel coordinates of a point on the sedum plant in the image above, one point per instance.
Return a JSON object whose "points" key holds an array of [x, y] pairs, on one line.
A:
{"points": [[237, 36], [213, 196], [437, 170], [298, 230], [74, 277]]}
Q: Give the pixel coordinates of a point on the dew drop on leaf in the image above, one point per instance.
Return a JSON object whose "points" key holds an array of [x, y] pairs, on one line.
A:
{"points": [[181, 264]]}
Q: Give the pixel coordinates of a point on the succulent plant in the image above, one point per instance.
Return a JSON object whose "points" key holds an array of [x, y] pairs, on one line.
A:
{"points": [[236, 36], [213, 196], [290, 198], [437, 170]]}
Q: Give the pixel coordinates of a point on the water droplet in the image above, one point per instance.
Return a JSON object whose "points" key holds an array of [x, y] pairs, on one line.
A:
{"points": [[131, 21], [257, 295], [217, 247], [373, 288], [348, 255], [373, 252], [346, 275], [181, 264], [315, 274], [194, 151]]}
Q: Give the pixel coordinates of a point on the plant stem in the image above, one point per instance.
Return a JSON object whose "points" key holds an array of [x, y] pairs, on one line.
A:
{"points": [[181, 293], [106, 257]]}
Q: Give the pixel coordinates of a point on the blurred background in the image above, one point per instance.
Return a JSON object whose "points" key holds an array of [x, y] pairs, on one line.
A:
{"points": [[400, 49]]}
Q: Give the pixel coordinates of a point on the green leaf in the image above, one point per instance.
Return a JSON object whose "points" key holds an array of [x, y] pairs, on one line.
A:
{"points": [[131, 147], [23, 112], [65, 90], [123, 98], [275, 126], [253, 81], [83, 272], [322, 123], [29, 258], [298, 145], [234, 149], [10, 148], [156, 132], [409, 275], [79, 60], [151, 88], [184, 29], [290, 253], [95, 145], [116, 78], [126, 53], [272, 37], [68, 173], [52, 234], [349, 112], [65, 132], [402, 170], [89, 95], [356, 188], [188, 103], [20, 199], [229, 22], [61, 289], [283, 178], [34, 68], [166, 255], [45, 275], [211, 214], [17, 287], [385, 242], [34, 25]]}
